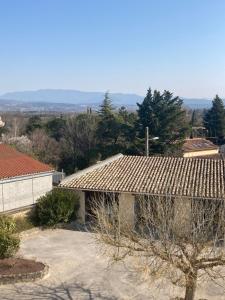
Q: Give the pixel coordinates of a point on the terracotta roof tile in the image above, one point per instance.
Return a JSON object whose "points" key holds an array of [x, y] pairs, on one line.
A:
{"points": [[14, 163], [155, 175]]}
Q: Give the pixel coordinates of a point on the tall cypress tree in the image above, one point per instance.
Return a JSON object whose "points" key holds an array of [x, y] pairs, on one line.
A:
{"points": [[214, 119], [106, 108], [166, 119], [108, 129]]}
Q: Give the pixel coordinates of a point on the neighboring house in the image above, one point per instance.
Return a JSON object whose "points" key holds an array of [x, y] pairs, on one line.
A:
{"points": [[131, 176], [200, 147], [22, 179]]}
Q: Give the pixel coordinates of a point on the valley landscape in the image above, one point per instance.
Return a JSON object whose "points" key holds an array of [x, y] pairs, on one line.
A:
{"points": [[61, 100]]}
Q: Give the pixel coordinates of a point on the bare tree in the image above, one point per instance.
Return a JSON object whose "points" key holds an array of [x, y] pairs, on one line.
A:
{"points": [[179, 238], [15, 124], [45, 148], [79, 141]]}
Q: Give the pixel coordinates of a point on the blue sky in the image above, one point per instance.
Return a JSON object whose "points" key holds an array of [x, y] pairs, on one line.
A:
{"points": [[116, 45]]}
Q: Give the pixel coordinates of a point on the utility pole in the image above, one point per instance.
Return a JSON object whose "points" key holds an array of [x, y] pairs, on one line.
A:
{"points": [[147, 142]]}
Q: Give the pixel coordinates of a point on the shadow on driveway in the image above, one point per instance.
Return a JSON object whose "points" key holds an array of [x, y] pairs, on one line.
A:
{"points": [[61, 292]]}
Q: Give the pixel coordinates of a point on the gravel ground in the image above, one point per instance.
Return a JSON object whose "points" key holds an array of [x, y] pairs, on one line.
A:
{"points": [[78, 271]]}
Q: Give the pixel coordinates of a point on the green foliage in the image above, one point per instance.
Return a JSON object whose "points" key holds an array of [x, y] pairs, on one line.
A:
{"points": [[55, 128], [57, 206], [79, 140], [106, 108], [166, 119], [9, 242], [7, 224], [214, 119], [194, 119], [34, 122], [115, 129]]}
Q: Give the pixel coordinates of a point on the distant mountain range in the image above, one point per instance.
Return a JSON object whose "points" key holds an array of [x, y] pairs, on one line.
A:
{"points": [[73, 100]]}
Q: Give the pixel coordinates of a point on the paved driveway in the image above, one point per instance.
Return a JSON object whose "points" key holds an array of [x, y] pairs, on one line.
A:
{"points": [[78, 271]]}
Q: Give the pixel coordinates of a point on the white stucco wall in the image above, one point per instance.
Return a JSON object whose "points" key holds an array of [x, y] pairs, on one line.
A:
{"points": [[19, 192]]}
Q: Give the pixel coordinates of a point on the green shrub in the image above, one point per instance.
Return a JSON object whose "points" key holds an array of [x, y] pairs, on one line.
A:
{"points": [[7, 224], [57, 206], [9, 241], [9, 244]]}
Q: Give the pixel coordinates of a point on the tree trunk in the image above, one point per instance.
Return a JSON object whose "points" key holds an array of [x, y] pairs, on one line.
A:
{"points": [[191, 282]]}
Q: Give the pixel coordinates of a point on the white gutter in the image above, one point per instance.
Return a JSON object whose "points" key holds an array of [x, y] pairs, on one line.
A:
{"points": [[24, 177]]}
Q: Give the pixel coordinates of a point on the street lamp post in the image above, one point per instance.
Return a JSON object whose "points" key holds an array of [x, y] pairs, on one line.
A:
{"points": [[147, 141]]}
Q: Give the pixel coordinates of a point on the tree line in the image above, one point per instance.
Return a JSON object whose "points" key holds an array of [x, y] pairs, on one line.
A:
{"points": [[77, 141], [80, 140]]}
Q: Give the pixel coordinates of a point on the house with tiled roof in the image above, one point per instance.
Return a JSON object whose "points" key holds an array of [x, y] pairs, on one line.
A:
{"points": [[23, 179], [200, 147], [131, 176]]}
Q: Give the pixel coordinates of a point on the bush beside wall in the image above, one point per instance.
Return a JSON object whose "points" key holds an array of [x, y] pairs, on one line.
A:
{"points": [[56, 206]]}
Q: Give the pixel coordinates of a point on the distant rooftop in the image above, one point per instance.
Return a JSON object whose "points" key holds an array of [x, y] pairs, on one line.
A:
{"points": [[198, 144], [198, 178]]}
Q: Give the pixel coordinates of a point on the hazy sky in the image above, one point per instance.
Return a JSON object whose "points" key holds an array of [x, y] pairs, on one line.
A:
{"points": [[120, 45]]}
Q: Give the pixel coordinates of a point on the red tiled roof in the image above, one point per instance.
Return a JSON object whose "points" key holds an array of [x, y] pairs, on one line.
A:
{"points": [[14, 163]]}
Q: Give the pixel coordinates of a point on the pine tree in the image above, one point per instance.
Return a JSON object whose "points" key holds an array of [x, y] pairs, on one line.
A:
{"points": [[106, 108], [108, 128], [214, 119], [166, 119], [193, 118], [115, 131]]}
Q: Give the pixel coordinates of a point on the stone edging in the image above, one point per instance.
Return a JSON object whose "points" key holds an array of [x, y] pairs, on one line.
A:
{"points": [[25, 277]]}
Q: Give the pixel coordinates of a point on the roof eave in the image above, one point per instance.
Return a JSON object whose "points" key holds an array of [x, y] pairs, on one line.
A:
{"points": [[27, 175], [140, 193]]}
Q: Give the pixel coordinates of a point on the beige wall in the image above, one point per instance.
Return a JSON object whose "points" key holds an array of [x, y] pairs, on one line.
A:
{"points": [[127, 211], [126, 207], [23, 191], [182, 213], [201, 153], [81, 211]]}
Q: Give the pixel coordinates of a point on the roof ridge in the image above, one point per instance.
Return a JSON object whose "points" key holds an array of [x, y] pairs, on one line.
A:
{"points": [[175, 157]]}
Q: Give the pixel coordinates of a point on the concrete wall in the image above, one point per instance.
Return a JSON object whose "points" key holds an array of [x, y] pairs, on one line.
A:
{"points": [[182, 213], [23, 191], [81, 211], [182, 210], [126, 208]]}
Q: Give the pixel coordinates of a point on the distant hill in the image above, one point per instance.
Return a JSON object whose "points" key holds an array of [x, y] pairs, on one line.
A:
{"points": [[70, 97], [197, 103], [73, 100]]}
